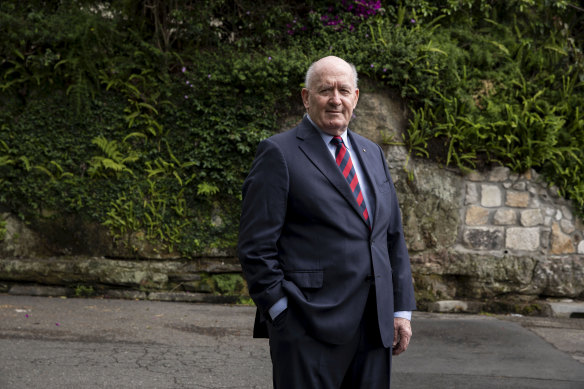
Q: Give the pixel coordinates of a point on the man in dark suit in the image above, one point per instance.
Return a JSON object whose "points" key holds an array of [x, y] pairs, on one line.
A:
{"points": [[322, 247]]}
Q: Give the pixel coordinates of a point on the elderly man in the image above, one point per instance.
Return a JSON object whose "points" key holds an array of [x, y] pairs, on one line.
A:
{"points": [[322, 247]]}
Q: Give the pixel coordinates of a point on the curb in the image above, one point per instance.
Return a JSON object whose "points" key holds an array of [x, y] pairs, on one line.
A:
{"points": [[63, 292], [560, 309]]}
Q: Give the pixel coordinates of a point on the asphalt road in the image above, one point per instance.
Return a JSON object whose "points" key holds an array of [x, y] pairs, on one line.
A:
{"points": [[100, 343]]}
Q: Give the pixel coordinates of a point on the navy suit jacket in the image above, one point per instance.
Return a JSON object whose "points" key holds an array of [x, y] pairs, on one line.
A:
{"points": [[302, 236]]}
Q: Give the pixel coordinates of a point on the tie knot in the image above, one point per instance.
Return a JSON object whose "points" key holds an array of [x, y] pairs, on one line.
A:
{"points": [[337, 140]]}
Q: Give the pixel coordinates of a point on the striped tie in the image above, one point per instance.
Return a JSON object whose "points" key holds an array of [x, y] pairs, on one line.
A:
{"points": [[345, 163]]}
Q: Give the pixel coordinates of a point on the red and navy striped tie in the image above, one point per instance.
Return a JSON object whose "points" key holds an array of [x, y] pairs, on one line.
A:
{"points": [[345, 163]]}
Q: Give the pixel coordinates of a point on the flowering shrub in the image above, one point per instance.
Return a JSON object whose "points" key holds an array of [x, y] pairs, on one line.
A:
{"points": [[345, 15]]}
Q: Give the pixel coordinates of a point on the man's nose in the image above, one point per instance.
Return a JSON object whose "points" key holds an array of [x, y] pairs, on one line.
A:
{"points": [[335, 98]]}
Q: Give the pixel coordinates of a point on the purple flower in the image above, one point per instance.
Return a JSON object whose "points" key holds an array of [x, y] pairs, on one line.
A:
{"points": [[208, 76], [26, 315], [184, 69], [186, 97], [412, 21], [188, 82], [372, 65], [269, 59], [57, 324]]}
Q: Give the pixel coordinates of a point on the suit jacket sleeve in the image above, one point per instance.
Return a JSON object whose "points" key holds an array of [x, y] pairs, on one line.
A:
{"points": [[265, 193], [403, 290]]}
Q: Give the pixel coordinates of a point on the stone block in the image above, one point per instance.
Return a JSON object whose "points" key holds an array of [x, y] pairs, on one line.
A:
{"points": [[567, 226], [566, 309], [475, 176], [523, 239], [531, 217], [472, 194], [567, 212], [549, 211], [517, 199], [531, 175], [483, 238], [477, 216], [561, 243], [581, 247], [454, 306], [520, 186], [491, 195], [499, 174], [505, 216]]}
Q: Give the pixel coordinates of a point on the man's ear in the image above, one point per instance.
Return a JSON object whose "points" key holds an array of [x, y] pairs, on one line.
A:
{"points": [[305, 94], [356, 98]]}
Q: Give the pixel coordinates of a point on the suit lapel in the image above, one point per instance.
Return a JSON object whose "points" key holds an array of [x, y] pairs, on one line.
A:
{"points": [[317, 152], [368, 164]]}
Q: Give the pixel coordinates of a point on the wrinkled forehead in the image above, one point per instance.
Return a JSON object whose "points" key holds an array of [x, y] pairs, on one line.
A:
{"points": [[334, 75]]}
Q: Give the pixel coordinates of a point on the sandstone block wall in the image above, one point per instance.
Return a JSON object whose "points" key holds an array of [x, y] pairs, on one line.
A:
{"points": [[518, 214]]}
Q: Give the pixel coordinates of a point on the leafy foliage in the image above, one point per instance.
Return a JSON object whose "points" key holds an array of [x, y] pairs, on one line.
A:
{"points": [[145, 115]]}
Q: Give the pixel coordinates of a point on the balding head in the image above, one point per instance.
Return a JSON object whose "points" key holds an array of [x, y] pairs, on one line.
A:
{"points": [[330, 60]]}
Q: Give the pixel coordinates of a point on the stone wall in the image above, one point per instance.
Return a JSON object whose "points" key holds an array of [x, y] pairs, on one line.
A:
{"points": [[493, 237], [518, 214]]}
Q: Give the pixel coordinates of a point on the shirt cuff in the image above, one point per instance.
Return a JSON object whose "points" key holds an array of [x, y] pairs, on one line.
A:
{"points": [[402, 314], [278, 307]]}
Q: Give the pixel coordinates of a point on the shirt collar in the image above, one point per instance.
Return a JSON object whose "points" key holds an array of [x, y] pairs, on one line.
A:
{"points": [[326, 137]]}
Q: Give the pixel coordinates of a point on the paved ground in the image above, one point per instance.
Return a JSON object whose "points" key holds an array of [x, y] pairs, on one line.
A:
{"points": [[97, 343]]}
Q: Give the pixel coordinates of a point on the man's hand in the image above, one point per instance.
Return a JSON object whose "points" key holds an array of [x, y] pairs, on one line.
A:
{"points": [[402, 332]]}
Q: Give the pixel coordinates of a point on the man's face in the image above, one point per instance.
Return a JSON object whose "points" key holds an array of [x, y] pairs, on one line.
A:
{"points": [[332, 97]]}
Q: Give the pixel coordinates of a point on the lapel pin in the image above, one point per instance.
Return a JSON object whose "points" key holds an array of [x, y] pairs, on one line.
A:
{"points": [[364, 150]]}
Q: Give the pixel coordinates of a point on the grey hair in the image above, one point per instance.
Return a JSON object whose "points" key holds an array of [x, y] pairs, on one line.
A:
{"points": [[310, 74]]}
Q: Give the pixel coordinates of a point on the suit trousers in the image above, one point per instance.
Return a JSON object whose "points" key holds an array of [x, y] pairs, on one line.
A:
{"points": [[302, 362]]}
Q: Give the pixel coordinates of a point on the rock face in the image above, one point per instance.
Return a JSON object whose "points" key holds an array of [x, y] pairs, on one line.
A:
{"points": [[479, 235], [184, 275], [430, 206]]}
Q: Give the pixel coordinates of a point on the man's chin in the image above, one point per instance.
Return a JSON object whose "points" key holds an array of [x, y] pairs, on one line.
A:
{"points": [[334, 127]]}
